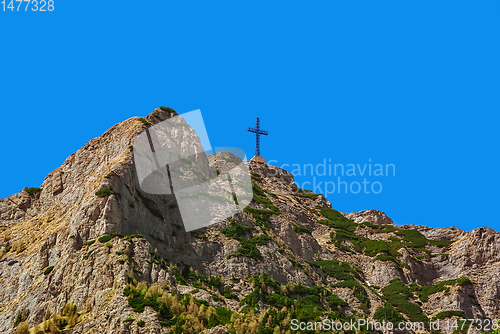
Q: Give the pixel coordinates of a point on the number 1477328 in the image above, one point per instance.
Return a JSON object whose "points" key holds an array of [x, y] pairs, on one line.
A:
{"points": [[28, 5]]}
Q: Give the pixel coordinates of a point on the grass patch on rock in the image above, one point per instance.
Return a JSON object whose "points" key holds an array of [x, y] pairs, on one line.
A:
{"points": [[104, 192]]}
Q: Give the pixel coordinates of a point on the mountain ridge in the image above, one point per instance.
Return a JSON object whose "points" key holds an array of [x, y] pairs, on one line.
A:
{"points": [[63, 244]]}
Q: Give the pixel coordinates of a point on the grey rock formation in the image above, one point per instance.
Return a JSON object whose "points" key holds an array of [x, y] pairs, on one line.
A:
{"points": [[373, 216]]}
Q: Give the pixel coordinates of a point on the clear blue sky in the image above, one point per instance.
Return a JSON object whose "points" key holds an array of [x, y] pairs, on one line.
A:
{"points": [[409, 83]]}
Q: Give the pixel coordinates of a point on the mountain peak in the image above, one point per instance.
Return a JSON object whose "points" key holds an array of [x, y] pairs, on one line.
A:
{"points": [[91, 248]]}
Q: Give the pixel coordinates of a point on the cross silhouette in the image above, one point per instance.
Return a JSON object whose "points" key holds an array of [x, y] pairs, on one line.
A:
{"points": [[257, 132]]}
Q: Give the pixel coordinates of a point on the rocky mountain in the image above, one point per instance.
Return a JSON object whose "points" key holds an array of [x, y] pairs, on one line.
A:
{"points": [[89, 252]]}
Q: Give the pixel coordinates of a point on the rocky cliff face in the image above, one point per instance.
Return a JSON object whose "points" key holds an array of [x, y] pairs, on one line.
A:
{"points": [[89, 252], [373, 216]]}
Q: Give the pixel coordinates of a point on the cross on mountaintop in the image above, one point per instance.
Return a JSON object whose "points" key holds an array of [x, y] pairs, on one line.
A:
{"points": [[258, 132]]}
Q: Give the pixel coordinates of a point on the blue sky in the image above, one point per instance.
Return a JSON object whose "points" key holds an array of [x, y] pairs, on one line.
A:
{"points": [[409, 83]]}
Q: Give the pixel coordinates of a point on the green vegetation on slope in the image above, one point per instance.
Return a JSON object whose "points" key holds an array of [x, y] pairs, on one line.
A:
{"points": [[31, 191], [105, 191], [234, 230], [425, 291], [249, 247], [398, 295], [383, 250], [347, 276]]}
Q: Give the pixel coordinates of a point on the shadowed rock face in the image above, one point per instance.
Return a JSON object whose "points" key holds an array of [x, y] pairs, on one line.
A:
{"points": [[54, 256]]}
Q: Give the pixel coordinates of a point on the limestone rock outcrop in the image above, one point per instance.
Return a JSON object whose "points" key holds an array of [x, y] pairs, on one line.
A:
{"points": [[373, 216]]}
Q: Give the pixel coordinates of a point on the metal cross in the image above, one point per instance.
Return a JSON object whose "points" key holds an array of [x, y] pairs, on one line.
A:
{"points": [[257, 132]]}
